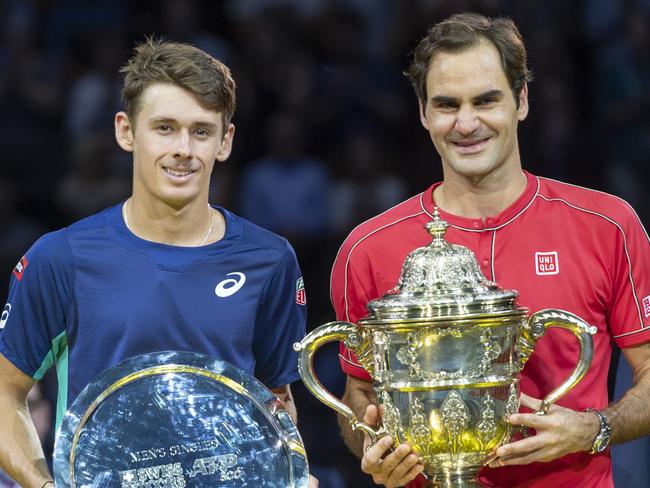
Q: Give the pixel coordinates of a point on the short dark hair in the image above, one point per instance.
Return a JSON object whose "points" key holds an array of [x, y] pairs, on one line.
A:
{"points": [[183, 65], [464, 31]]}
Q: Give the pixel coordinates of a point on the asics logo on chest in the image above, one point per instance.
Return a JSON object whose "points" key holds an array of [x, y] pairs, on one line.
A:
{"points": [[230, 286]]}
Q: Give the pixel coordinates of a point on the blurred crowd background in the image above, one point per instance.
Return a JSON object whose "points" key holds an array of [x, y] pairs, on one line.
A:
{"points": [[327, 126]]}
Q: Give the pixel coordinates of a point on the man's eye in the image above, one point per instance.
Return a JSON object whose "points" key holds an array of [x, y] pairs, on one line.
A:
{"points": [[202, 132], [164, 128], [486, 101]]}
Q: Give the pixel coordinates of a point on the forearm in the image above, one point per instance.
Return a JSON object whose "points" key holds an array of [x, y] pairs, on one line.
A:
{"points": [[630, 417], [21, 455], [357, 397]]}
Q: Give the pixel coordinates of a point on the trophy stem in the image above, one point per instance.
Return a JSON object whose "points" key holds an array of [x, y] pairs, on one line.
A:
{"points": [[467, 478]]}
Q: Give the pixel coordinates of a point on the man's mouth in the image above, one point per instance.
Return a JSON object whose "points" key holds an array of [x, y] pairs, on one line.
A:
{"points": [[176, 173], [470, 146]]}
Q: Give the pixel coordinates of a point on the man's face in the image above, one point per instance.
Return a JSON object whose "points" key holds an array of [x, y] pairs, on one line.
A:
{"points": [[471, 113], [175, 142]]}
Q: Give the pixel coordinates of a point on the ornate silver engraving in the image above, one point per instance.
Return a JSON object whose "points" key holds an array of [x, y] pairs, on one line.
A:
{"points": [[455, 417], [420, 431], [487, 427], [392, 418], [381, 342], [491, 350], [512, 404], [409, 353]]}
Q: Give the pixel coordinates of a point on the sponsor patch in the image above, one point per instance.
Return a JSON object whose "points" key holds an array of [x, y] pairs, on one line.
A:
{"points": [[547, 263], [20, 268], [301, 296], [646, 306]]}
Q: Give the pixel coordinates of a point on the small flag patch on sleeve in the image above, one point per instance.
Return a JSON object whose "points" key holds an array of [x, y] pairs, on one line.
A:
{"points": [[301, 296], [20, 268]]}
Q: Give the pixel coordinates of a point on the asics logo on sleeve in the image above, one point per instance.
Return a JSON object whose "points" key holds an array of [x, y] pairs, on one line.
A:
{"points": [[5, 315], [230, 286]]}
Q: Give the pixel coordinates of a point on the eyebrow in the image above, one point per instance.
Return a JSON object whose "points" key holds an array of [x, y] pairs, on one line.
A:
{"points": [[488, 94], [444, 99]]}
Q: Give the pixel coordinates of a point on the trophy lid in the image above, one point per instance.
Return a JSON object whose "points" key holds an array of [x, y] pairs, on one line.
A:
{"points": [[441, 280]]}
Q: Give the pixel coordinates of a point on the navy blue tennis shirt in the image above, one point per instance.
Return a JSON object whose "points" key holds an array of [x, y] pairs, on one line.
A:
{"points": [[90, 295]]}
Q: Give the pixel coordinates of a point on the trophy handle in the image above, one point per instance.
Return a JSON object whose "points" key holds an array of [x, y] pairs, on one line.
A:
{"points": [[536, 327], [356, 339]]}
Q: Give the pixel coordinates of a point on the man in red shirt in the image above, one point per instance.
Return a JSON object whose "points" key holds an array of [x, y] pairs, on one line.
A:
{"points": [[559, 245]]}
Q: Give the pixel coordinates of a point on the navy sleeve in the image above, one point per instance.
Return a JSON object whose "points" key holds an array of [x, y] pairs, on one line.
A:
{"points": [[280, 322], [32, 328]]}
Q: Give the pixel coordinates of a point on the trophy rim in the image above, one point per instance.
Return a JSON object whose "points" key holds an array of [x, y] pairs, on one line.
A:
{"points": [[175, 362]]}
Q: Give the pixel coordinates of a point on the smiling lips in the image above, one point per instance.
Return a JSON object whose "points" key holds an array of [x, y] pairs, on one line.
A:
{"points": [[178, 173], [470, 146]]}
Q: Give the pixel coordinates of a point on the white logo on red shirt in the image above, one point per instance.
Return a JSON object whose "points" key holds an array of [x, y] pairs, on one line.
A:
{"points": [[646, 306], [546, 263], [230, 286]]}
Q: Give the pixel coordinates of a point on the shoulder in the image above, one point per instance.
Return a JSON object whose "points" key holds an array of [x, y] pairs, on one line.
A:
{"points": [[56, 246], [588, 203], [258, 238], [385, 227]]}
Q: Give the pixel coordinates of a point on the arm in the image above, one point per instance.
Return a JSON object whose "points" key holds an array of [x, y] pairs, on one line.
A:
{"points": [[21, 455], [564, 431], [358, 396], [391, 469], [630, 416]]}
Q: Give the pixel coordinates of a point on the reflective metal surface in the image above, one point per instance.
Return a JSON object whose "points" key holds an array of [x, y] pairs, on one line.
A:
{"points": [[176, 419], [445, 350]]}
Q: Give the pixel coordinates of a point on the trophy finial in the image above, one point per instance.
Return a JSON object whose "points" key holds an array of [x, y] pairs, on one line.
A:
{"points": [[437, 227]]}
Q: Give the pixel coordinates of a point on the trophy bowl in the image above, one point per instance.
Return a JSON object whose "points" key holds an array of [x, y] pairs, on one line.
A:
{"points": [[445, 350], [177, 419]]}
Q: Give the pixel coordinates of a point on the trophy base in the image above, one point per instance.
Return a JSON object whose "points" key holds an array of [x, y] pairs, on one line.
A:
{"points": [[468, 478]]}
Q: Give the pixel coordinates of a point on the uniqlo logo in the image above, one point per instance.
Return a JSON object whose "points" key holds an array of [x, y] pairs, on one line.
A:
{"points": [[646, 306], [546, 263]]}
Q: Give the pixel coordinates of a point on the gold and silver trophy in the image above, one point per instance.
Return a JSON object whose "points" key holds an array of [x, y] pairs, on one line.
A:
{"points": [[445, 350]]}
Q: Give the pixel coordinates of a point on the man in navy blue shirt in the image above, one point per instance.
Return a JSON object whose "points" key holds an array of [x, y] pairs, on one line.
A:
{"points": [[164, 270]]}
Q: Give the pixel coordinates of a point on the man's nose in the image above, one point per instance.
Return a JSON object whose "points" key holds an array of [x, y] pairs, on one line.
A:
{"points": [[183, 149], [466, 121]]}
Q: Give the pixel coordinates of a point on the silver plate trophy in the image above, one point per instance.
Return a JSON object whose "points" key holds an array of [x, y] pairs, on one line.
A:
{"points": [[445, 350], [174, 420]]}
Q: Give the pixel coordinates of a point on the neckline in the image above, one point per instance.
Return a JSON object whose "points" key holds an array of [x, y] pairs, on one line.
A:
{"points": [[492, 222], [116, 221]]}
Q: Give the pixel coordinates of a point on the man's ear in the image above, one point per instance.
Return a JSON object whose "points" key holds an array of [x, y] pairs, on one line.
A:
{"points": [[226, 144], [423, 118], [522, 110], [123, 131]]}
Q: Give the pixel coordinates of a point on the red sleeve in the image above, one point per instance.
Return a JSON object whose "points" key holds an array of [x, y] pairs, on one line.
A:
{"points": [[418, 482], [349, 298], [629, 315]]}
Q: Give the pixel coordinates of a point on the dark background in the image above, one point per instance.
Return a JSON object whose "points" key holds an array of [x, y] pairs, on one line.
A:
{"points": [[327, 126]]}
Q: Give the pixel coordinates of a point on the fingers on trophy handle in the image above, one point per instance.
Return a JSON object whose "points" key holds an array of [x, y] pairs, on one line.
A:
{"points": [[355, 339], [537, 326]]}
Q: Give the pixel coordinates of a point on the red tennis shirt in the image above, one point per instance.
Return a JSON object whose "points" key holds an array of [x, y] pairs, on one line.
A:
{"points": [[560, 246]]}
